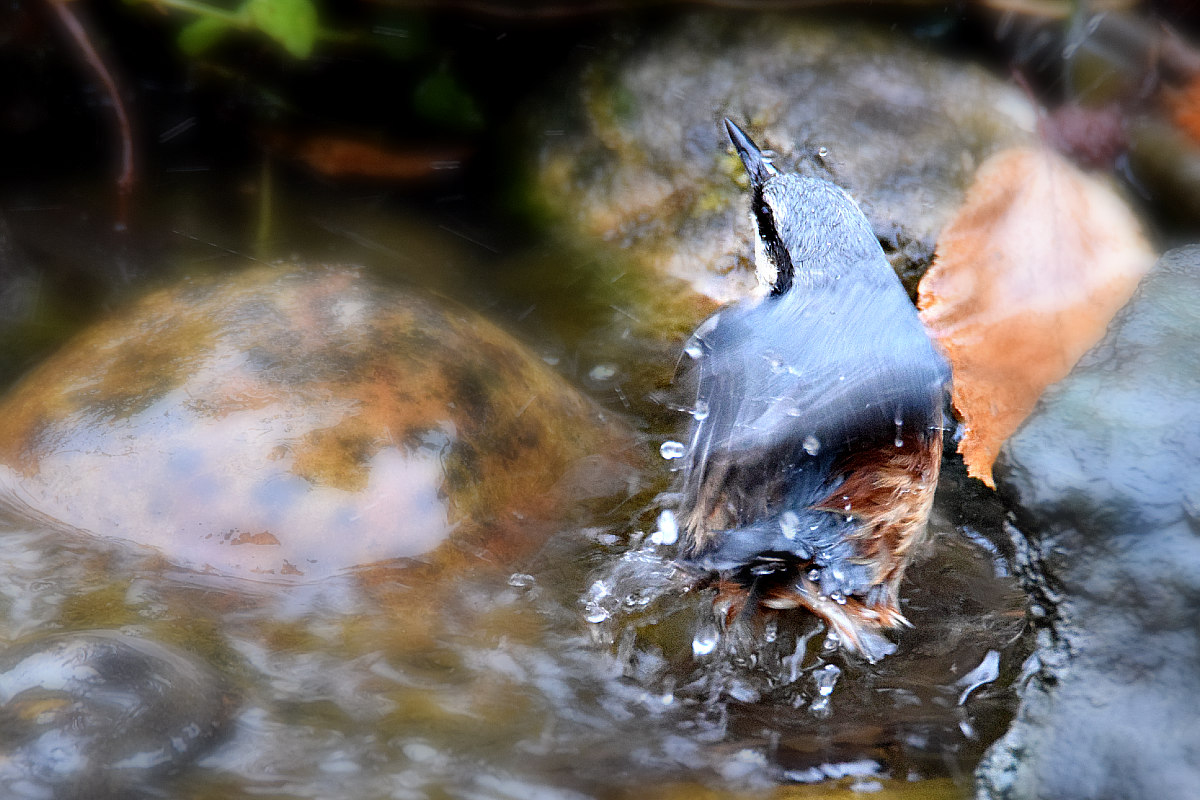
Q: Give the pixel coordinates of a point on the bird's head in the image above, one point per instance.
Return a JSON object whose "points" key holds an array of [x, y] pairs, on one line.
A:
{"points": [[806, 229]]}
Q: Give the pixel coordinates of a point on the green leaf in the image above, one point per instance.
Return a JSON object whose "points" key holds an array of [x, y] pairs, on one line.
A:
{"points": [[198, 36], [440, 97], [292, 23]]}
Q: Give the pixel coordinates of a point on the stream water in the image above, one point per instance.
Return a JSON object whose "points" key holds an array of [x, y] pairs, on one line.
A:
{"points": [[595, 668]]}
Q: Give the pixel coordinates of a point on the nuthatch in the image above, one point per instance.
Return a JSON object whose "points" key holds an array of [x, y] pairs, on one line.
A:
{"points": [[817, 438]]}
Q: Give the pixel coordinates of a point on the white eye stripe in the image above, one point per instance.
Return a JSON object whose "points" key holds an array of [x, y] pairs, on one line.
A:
{"points": [[764, 268], [772, 261]]}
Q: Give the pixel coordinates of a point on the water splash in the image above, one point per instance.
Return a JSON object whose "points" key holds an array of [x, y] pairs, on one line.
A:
{"points": [[598, 603], [826, 679], [668, 529]]}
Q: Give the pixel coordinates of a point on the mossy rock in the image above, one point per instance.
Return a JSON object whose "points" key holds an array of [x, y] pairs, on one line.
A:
{"points": [[631, 151], [291, 423]]}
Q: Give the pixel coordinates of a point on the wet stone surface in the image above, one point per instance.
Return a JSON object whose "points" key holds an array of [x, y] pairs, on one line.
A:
{"points": [[98, 715], [1103, 477], [637, 157], [232, 423]]}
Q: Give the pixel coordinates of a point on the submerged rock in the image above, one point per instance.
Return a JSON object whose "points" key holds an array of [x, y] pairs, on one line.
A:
{"points": [[639, 159], [1105, 482], [293, 423], [98, 714]]}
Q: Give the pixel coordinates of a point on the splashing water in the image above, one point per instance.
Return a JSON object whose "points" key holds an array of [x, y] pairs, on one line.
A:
{"points": [[598, 603], [826, 678], [668, 529]]}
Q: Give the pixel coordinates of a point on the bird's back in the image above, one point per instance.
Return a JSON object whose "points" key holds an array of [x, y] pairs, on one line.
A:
{"points": [[815, 448]]}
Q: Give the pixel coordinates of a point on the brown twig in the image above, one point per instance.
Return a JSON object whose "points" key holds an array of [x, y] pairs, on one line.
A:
{"points": [[80, 36]]}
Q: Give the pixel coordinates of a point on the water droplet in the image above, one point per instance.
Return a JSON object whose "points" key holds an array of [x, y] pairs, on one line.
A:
{"points": [[899, 441], [811, 445], [598, 600], [814, 575], [668, 529], [671, 450], [987, 671], [743, 692], [822, 152], [419, 752], [694, 349], [700, 412], [705, 640], [820, 707], [636, 600], [826, 678], [838, 598], [520, 580], [603, 372], [847, 506], [789, 523]]}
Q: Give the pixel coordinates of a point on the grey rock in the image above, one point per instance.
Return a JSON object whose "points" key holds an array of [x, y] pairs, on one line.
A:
{"points": [[1104, 476]]}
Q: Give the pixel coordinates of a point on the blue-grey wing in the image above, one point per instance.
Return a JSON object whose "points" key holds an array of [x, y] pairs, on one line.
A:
{"points": [[822, 366]]}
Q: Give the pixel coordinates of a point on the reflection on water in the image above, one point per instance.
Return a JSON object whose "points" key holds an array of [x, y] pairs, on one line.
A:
{"points": [[594, 668]]}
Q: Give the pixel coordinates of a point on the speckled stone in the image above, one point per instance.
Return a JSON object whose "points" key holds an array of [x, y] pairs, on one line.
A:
{"points": [[292, 423]]}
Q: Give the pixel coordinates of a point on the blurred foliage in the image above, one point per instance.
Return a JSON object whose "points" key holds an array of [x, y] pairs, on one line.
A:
{"points": [[290, 23], [442, 98], [438, 93]]}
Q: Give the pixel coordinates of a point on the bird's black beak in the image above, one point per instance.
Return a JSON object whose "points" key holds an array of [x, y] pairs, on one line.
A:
{"points": [[757, 165]]}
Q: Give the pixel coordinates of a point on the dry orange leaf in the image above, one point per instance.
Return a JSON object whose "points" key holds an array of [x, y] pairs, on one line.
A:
{"points": [[1185, 107], [1025, 280], [339, 157]]}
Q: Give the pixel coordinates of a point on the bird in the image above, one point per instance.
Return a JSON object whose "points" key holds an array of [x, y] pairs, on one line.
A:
{"points": [[816, 434]]}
